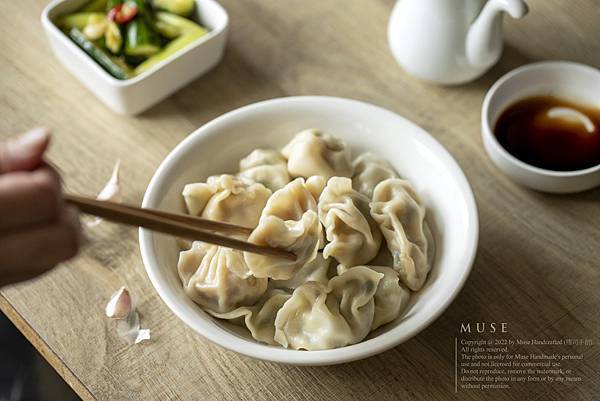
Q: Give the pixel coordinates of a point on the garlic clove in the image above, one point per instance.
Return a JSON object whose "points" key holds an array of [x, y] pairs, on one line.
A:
{"points": [[142, 335], [120, 304], [129, 329], [120, 307], [113, 38], [95, 27], [112, 191]]}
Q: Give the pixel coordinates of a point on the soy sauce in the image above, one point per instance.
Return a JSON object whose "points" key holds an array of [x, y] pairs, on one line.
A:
{"points": [[551, 133]]}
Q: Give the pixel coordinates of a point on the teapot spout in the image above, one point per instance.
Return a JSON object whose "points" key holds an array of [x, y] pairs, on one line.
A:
{"points": [[484, 39]]}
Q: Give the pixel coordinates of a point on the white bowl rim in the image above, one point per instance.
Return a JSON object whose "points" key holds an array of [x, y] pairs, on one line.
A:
{"points": [[487, 131], [105, 75], [349, 353]]}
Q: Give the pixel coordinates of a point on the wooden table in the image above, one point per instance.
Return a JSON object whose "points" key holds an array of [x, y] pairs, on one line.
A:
{"points": [[538, 259]]}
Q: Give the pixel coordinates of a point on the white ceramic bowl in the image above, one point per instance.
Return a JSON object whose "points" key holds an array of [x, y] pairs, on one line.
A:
{"points": [[217, 147], [135, 95], [558, 78]]}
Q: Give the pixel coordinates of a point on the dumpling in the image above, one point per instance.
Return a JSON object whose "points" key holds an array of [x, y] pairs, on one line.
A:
{"points": [[391, 297], [260, 318], [196, 196], [398, 210], [312, 152], [266, 166], [272, 177], [209, 280], [262, 157], [354, 237], [430, 243], [316, 184], [315, 270], [289, 221], [305, 321], [384, 257], [370, 170], [227, 198], [320, 317], [350, 293]]}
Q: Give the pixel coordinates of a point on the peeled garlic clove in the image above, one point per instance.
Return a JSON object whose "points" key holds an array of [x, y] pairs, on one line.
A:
{"points": [[142, 335], [120, 305], [95, 27], [129, 329], [113, 38], [111, 191]]}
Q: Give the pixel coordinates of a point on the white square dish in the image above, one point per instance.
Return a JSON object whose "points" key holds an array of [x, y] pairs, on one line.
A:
{"points": [[136, 94]]}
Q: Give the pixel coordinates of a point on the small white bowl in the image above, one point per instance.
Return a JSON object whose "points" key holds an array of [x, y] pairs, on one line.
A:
{"points": [[135, 95], [217, 147], [557, 78]]}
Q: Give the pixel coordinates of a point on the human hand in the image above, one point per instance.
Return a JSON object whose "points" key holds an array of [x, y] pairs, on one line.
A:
{"points": [[37, 228]]}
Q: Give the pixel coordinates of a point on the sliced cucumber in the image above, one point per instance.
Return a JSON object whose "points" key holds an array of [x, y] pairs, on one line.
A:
{"points": [[166, 30], [175, 25], [112, 38], [122, 64], [97, 54], [179, 7], [173, 47], [140, 39], [76, 20], [95, 5]]}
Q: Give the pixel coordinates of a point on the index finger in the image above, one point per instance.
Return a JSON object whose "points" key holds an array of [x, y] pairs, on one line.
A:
{"points": [[24, 153], [29, 198]]}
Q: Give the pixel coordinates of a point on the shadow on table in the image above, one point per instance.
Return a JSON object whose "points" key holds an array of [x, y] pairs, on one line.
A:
{"points": [[233, 83], [591, 196], [24, 374], [491, 294], [512, 57]]}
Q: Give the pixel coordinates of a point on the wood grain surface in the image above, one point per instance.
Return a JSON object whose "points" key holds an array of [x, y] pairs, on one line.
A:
{"points": [[538, 261]]}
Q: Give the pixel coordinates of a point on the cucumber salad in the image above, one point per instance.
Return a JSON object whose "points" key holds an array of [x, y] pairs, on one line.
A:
{"points": [[128, 37]]}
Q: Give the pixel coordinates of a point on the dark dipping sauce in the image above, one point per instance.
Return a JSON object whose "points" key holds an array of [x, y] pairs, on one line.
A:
{"points": [[548, 132]]}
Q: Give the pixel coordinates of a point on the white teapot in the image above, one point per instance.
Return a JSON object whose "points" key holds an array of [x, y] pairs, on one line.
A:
{"points": [[449, 41]]}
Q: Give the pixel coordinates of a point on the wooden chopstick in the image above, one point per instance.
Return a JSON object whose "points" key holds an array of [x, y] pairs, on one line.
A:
{"points": [[175, 224], [204, 224]]}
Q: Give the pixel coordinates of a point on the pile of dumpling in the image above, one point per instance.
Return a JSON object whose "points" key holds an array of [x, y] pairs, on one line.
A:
{"points": [[356, 228]]}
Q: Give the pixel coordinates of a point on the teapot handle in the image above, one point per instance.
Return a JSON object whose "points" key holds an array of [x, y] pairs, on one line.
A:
{"points": [[484, 39]]}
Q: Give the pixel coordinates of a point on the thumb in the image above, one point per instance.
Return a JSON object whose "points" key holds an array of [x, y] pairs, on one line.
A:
{"points": [[25, 152]]}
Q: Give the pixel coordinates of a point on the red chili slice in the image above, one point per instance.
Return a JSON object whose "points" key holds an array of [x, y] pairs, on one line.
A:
{"points": [[122, 13]]}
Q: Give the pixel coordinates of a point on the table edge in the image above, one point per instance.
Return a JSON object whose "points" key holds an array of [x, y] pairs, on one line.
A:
{"points": [[45, 350]]}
